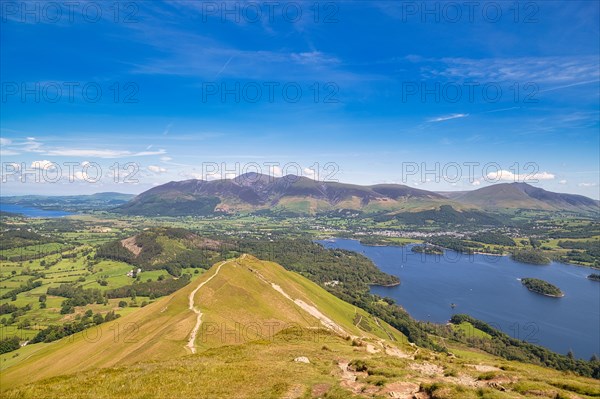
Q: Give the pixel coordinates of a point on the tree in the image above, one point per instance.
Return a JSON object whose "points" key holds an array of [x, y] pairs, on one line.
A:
{"points": [[42, 298], [98, 319], [122, 304]]}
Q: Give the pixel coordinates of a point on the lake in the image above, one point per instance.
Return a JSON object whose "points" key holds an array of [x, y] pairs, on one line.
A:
{"points": [[33, 212], [487, 288]]}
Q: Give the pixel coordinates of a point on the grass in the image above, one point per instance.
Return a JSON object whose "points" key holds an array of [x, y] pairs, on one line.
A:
{"points": [[469, 331], [159, 331], [141, 355]]}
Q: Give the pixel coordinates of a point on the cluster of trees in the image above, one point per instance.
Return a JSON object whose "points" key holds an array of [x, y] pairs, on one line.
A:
{"points": [[7, 308], [445, 215], [577, 231], [9, 344], [114, 250], [152, 289], [53, 333], [541, 287], [513, 349], [14, 313], [21, 238], [494, 238], [455, 244], [394, 315], [154, 256], [582, 252], [532, 257], [29, 285], [76, 296], [594, 276], [354, 271]]}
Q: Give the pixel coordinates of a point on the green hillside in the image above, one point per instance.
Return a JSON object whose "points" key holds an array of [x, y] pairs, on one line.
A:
{"points": [[264, 332], [238, 298]]}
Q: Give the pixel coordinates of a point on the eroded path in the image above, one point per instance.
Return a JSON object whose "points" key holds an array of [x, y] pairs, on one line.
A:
{"points": [[313, 311], [191, 342]]}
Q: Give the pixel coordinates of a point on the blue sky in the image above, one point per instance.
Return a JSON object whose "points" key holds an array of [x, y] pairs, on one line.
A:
{"points": [[362, 92]]}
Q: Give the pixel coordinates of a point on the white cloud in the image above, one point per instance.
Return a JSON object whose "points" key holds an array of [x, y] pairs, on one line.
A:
{"points": [[562, 182], [274, 171], [587, 184], [310, 173], [447, 117], [156, 169], [192, 175], [43, 165], [166, 159], [476, 183], [4, 141], [507, 175]]}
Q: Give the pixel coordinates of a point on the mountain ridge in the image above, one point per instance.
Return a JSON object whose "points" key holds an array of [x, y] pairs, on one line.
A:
{"points": [[301, 195]]}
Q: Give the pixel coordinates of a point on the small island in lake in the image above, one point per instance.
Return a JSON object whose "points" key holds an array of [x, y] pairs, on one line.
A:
{"points": [[531, 257], [542, 287], [594, 277], [427, 249]]}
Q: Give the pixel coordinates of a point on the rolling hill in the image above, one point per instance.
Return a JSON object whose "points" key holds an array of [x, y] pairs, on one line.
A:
{"points": [[165, 248], [239, 301], [523, 196], [71, 203], [250, 329]]}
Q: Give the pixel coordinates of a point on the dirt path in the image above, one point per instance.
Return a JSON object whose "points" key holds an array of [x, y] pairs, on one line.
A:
{"points": [[191, 342], [313, 311]]}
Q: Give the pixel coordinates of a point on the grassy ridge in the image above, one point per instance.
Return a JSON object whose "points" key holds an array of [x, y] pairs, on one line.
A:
{"points": [[234, 299]]}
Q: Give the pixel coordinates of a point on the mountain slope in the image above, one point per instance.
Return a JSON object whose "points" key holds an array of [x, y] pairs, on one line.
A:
{"points": [[238, 304], [264, 332], [524, 196], [255, 191], [301, 196]]}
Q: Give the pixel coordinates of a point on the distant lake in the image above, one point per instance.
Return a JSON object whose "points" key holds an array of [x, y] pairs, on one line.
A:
{"points": [[33, 212], [487, 288]]}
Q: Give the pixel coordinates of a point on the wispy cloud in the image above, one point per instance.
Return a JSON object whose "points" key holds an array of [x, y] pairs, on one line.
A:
{"points": [[447, 118], [93, 153], [571, 71]]}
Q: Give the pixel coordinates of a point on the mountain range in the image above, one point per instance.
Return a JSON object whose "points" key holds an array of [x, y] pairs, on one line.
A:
{"points": [[301, 195]]}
